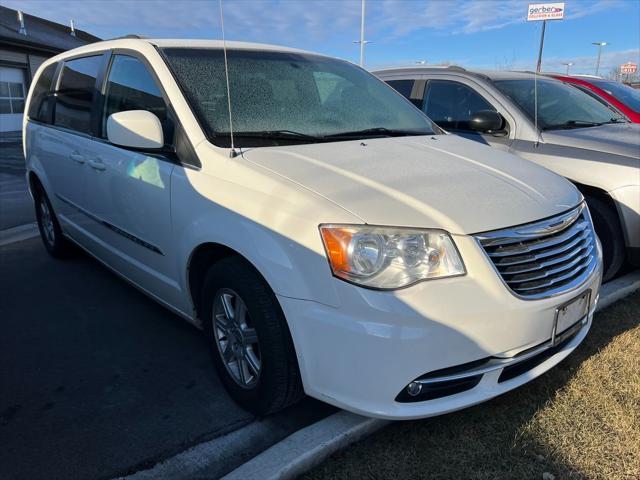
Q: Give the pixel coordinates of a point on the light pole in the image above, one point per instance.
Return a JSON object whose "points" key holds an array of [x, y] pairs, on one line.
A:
{"points": [[600, 45], [362, 41], [568, 65]]}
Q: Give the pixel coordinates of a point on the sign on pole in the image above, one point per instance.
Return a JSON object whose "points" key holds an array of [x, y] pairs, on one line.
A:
{"points": [[545, 11], [629, 68]]}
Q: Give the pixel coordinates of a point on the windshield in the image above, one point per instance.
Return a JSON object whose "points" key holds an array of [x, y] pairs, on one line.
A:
{"points": [[289, 98], [624, 93], [559, 105]]}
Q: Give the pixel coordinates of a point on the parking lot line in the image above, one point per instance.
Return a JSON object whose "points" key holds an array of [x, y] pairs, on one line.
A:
{"points": [[17, 234]]}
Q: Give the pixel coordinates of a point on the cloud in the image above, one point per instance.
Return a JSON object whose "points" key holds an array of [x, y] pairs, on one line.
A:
{"points": [[290, 20], [587, 64]]}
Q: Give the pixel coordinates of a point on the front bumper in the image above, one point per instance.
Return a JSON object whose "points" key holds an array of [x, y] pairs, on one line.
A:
{"points": [[361, 355]]}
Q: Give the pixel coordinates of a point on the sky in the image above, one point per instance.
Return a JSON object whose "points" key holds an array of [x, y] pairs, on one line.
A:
{"points": [[470, 33]]}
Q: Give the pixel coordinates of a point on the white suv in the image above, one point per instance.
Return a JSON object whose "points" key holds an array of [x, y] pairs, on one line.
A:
{"points": [[345, 246]]}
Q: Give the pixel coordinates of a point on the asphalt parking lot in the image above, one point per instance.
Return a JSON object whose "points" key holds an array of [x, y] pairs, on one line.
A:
{"points": [[98, 381]]}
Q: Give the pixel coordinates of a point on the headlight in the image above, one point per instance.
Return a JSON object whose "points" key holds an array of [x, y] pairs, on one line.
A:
{"points": [[388, 257]]}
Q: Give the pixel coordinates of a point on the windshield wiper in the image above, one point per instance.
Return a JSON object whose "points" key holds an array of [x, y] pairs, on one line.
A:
{"points": [[377, 131], [279, 135], [569, 124]]}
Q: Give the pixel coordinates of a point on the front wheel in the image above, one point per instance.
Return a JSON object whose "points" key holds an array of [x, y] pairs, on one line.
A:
{"points": [[248, 338]]}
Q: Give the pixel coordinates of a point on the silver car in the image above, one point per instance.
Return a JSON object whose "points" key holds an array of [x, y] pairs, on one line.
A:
{"points": [[569, 132]]}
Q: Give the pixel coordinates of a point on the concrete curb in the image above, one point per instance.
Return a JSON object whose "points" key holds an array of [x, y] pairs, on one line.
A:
{"points": [[619, 288], [307, 447], [310, 446], [17, 234]]}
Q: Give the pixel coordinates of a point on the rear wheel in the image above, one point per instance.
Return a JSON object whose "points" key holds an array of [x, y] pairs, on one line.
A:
{"points": [[607, 226], [50, 232], [248, 338]]}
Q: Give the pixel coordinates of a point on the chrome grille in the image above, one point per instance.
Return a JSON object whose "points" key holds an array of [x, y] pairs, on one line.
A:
{"points": [[545, 258]]}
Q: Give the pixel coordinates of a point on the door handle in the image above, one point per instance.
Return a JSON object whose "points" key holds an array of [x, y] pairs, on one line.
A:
{"points": [[97, 165], [76, 157]]}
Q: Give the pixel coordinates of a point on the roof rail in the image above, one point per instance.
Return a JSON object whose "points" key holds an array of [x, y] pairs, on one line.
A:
{"points": [[457, 68], [131, 35]]}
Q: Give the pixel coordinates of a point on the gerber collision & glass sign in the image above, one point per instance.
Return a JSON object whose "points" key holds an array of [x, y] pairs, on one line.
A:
{"points": [[545, 11]]}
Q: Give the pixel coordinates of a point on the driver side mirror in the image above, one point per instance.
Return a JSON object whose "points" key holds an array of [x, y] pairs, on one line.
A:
{"points": [[487, 121], [135, 129]]}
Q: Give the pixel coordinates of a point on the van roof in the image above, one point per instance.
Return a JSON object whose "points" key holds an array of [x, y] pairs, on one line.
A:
{"points": [[132, 41]]}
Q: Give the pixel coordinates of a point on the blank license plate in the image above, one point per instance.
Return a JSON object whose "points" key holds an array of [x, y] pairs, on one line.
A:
{"points": [[571, 313]]}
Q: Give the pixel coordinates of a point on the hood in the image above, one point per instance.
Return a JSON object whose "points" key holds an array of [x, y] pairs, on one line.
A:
{"points": [[440, 181], [615, 138]]}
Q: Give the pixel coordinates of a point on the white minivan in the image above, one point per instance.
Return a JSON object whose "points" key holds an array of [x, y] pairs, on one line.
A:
{"points": [[324, 233]]}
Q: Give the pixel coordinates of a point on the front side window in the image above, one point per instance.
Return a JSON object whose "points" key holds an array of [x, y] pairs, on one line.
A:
{"points": [[75, 94], [284, 98], [559, 106], [41, 99], [130, 86], [451, 104]]}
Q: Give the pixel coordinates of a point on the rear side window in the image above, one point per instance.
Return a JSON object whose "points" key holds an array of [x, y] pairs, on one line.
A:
{"points": [[451, 104], [41, 103], [76, 92], [407, 89], [403, 87], [130, 86]]}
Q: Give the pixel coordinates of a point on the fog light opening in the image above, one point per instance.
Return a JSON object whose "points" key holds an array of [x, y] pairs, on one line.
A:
{"points": [[414, 389]]}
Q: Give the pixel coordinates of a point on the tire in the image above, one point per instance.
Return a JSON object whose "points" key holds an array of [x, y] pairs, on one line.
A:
{"points": [[50, 232], [607, 226], [277, 383]]}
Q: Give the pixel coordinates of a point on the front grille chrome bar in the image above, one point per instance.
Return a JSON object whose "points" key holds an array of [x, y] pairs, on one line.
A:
{"points": [[544, 258]]}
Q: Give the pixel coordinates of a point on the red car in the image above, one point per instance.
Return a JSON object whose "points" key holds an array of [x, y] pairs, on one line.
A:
{"points": [[620, 96]]}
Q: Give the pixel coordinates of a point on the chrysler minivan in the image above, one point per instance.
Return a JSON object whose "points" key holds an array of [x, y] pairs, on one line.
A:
{"points": [[327, 237]]}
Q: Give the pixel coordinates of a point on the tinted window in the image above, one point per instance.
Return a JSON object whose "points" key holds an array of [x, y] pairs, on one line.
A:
{"points": [[625, 94], [75, 93], [451, 104], [275, 91], [402, 86], [559, 105], [130, 86], [41, 98]]}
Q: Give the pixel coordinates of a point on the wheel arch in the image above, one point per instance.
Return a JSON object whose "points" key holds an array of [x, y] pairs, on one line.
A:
{"points": [[588, 190], [199, 262], [34, 182]]}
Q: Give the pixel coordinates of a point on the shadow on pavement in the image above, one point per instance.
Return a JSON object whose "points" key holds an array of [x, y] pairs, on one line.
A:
{"points": [[97, 380]]}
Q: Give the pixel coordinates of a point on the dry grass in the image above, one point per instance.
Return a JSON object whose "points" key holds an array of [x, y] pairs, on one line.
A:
{"points": [[579, 421]]}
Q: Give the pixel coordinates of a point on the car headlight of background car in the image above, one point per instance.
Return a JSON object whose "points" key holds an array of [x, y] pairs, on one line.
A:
{"points": [[389, 257]]}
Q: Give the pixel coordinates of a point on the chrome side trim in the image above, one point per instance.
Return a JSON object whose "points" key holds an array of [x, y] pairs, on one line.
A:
{"points": [[112, 227]]}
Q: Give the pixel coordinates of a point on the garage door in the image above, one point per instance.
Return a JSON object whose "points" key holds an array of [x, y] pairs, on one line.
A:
{"points": [[12, 93]]}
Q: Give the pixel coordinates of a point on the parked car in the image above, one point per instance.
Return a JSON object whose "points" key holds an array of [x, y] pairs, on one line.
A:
{"points": [[618, 95], [336, 243], [573, 135]]}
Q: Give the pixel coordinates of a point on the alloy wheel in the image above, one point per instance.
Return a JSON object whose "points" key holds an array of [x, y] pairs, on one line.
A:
{"points": [[236, 338], [46, 220]]}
